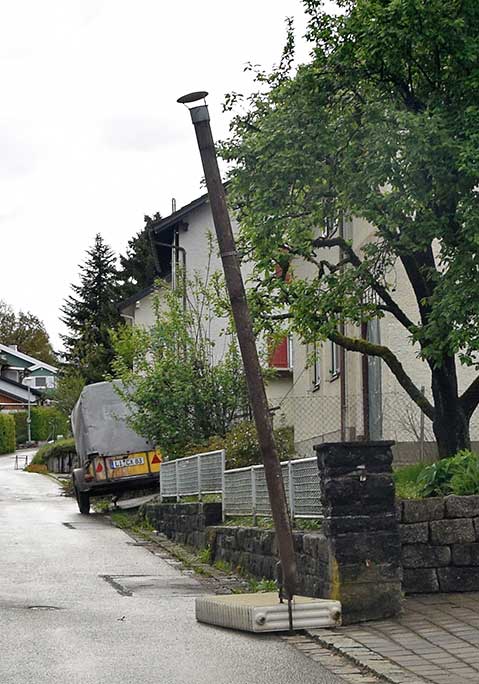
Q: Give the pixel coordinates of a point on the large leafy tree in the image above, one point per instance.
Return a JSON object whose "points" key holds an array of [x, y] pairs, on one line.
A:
{"points": [[137, 265], [27, 331], [382, 125], [91, 312]]}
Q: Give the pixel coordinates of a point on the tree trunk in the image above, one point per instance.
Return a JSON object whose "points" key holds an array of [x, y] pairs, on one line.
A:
{"points": [[450, 424]]}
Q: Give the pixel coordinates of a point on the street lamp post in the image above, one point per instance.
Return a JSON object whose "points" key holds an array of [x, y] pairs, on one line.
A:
{"points": [[257, 394]]}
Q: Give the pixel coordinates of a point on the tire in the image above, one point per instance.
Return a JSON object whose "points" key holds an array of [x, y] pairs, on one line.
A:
{"points": [[83, 501]]}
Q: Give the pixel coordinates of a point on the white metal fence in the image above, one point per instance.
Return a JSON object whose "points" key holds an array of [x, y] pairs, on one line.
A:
{"points": [[246, 492], [194, 475]]}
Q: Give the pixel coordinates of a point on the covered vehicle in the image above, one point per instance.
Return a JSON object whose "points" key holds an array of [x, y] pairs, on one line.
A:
{"points": [[113, 457]]}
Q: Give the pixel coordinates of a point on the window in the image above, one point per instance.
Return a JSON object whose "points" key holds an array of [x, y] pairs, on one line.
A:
{"points": [[335, 360], [316, 366], [40, 382]]}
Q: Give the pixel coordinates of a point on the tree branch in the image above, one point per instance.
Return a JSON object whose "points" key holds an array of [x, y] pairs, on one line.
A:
{"points": [[380, 290], [365, 347], [470, 398]]}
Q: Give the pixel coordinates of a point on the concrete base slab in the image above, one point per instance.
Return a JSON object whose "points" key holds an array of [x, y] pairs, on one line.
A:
{"points": [[264, 612]]}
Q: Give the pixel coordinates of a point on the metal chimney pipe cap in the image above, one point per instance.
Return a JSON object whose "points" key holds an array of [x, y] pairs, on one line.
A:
{"points": [[192, 97]]}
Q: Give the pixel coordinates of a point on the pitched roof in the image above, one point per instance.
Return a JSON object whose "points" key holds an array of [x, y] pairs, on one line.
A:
{"points": [[136, 296], [16, 390], [158, 225], [25, 357]]}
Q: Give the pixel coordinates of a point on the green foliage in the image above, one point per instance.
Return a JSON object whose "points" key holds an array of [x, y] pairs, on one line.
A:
{"points": [[205, 555], [180, 394], [26, 331], [405, 479], [242, 447], [21, 426], [132, 521], [69, 386], [62, 447], [456, 475], [381, 125], [7, 433], [137, 266], [91, 312], [262, 586], [47, 423]]}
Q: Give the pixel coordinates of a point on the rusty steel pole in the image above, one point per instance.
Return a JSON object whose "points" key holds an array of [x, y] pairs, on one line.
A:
{"points": [[247, 343]]}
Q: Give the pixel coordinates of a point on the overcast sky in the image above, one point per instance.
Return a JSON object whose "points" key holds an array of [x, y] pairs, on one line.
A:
{"points": [[91, 137]]}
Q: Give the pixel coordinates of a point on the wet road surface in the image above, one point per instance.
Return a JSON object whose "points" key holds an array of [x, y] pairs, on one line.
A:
{"points": [[80, 603]]}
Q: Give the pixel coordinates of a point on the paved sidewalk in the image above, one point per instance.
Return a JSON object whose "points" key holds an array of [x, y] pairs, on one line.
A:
{"points": [[436, 639]]}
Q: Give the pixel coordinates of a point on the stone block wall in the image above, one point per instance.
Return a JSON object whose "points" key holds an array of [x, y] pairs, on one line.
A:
{"points": [[255, 551], [440, 544], [185, 523]]}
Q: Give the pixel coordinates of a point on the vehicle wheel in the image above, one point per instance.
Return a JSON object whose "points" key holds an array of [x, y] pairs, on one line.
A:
{"points": [[83, 501]]}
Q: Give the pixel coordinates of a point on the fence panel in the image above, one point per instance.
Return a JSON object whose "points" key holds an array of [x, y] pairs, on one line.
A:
{"points": [[246, 492], [238, 492], [307, 502], [168, 485], [193, 475]]}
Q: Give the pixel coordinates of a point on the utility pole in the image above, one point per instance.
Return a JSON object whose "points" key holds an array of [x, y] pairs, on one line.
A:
{"points": [[244, 328]]}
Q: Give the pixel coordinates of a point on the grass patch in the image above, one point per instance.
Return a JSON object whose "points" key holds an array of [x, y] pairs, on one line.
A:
{"points": [[131, 521], [406, 480], [204, 556], [223, 566]]}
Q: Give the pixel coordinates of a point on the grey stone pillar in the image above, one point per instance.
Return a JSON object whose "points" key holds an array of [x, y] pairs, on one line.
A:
{"points": [[358, 496]]}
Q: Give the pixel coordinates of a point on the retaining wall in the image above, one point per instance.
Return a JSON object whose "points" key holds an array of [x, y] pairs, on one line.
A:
{"points": [[440, 544]]}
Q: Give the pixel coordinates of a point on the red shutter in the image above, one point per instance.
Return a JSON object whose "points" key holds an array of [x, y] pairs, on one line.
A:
{"points": [[279, 356]]}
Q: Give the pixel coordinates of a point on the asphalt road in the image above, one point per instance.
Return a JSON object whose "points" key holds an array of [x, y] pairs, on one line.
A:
{"points": [[81, 604]]}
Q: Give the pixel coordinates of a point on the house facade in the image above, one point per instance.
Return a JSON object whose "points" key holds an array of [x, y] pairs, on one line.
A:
{"points": [[185, 243], [26, 370]]}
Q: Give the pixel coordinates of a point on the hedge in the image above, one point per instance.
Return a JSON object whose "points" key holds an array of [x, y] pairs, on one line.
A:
{"points": [[47, 423], [21, 428], [61, 448], [7, 433]]}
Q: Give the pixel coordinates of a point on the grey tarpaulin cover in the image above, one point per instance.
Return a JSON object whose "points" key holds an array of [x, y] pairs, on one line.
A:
{"points": [[99, 423]]}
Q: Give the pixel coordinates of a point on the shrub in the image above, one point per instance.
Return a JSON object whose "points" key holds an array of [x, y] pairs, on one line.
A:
{"points": [[242, 448], [47, 422], [7, 433], [60, 448], [458, 474], [21, 428]]}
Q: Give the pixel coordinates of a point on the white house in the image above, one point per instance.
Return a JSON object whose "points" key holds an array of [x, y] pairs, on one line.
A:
{"points": [[184, 242]]}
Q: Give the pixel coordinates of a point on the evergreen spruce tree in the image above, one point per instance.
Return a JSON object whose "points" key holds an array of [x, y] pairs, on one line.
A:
{"points": [[137, 265], [91, 312]]}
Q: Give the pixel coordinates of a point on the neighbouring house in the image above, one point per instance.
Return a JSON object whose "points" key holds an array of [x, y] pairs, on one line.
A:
{"points": [[15, 396], [184, 243], [342, 395], [26, 370]]}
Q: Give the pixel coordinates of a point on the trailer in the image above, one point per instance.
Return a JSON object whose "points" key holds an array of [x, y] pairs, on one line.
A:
{"points": [[113, 458]]}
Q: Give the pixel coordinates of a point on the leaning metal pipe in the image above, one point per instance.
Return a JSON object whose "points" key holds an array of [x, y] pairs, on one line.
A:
{"points": [[247, 343]]}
